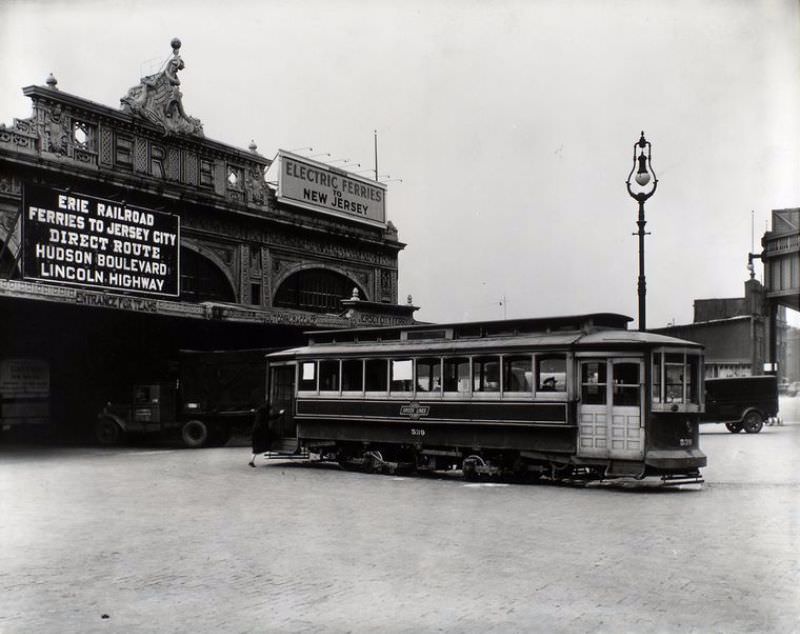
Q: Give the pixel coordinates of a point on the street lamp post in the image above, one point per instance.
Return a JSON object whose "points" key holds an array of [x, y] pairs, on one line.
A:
{"points": [[644, 174]]}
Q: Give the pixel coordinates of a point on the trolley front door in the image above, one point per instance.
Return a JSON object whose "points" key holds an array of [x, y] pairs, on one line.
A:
{"points": [[610, 410], [281, 396]]}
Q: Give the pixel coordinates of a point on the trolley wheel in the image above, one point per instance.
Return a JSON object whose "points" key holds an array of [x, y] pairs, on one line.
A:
{"points": [[372, 461], [753, 423], [108, 432], [468, 468], [194, 434], [734, 428]]}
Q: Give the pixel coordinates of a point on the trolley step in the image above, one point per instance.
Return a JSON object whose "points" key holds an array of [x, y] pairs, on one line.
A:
{"points": [[287, 449], [675, 480]]}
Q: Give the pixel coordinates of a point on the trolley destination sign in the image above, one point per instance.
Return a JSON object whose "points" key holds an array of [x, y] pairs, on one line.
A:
{"points": [[71, 238], [320, 187]]}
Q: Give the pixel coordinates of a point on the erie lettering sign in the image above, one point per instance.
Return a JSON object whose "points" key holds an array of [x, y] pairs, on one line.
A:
{"points": [[320, 187], [81, 240]]}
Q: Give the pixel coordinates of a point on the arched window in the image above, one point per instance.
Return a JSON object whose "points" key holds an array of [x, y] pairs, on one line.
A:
{"points": [[315, 290], [202, 281]]}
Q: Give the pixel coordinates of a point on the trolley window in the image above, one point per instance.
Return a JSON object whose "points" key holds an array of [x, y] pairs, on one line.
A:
{"points": [[486, 374], [401, 379], [456, 375], [626, 383], [677, 378], [517, 374], [656, 377], [352, 375], [429, 375], [693, 378], [673, 377], [593, 382], [308, 376], [329, 376], [375, 375], [551, 373]]}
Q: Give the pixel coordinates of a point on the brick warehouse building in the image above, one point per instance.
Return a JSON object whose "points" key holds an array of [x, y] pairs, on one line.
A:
{"points": [[127, 235]]}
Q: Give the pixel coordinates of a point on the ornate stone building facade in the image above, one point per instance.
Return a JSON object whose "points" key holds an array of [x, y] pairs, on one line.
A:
{"points": [[252, 269]]}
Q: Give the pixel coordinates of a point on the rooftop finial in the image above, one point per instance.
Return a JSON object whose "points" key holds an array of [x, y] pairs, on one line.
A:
{"points": [[158, 99], [52, 81], [252, 147]]}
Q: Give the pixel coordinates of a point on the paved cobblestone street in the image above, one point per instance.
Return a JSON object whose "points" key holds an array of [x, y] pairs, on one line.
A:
{"points": [[171, 540]]}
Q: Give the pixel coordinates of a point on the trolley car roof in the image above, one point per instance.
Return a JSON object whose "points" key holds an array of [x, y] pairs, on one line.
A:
{"points": [[590, 331]]}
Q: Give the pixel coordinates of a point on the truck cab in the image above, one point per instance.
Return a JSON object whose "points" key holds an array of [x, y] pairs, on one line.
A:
{"points": [[207, 395]]}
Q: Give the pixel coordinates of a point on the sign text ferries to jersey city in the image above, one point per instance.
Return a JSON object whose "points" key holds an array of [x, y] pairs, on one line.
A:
{"points": [[82, 240], [321, 187]]}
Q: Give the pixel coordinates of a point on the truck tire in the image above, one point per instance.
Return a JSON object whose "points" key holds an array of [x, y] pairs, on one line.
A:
{"points": [[734, 428], [753, 423], [194, 434], [107, 432]]}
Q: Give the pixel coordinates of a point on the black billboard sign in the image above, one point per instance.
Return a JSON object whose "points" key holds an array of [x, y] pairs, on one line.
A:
{"points": [[82, 240]]}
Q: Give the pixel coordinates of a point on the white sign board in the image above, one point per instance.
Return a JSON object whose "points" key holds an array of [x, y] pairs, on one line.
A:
{"points": [[320, 187]]}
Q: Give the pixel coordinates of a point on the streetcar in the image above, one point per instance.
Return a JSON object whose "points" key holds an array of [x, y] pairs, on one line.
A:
{"points": [[562, 398]]}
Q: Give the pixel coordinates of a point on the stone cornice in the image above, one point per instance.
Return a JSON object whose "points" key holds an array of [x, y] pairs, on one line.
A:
{"points": [[122, 119]]}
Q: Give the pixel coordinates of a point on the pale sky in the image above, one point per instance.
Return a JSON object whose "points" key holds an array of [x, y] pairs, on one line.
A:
{"points": [[510, 123]]}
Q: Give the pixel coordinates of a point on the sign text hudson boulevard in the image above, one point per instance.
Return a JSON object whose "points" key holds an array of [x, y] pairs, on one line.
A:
{"points": [[71, 238]]}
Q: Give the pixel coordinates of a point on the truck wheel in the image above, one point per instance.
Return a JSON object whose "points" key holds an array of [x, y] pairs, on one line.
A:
{"points": [[734, 428], [107, 432], [194, 434], [753, 423]]}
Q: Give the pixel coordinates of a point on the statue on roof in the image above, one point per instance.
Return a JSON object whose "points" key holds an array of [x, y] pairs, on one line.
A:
{"points": [[157, 98]]}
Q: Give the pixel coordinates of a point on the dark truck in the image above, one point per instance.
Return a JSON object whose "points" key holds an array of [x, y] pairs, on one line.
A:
{"points": [[745, 402], [207, 397]]}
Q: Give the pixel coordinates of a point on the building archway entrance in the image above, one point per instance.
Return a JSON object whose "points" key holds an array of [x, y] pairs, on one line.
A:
{"points": [[202, 280]]}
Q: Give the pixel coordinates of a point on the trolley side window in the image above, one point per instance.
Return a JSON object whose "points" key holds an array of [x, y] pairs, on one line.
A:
{"points": [[693, 377], [352, 375], [673, 377], [456, 375], [486, 374], [593, 382], [517, 374], [551, 373], [401, 377], [429, 375], [677, 378], [657, 377], [376, 375], [308, 376], [626, 383], [329, 376]]}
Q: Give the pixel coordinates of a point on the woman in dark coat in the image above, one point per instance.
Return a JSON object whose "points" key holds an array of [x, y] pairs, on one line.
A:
{"points": [[262, 434]]}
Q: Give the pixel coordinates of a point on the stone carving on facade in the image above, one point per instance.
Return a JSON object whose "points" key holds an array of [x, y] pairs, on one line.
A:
{"points": [[361, 277], [158, 99], [57, 131], [286, 239], [10, 184], [255, 185], [386, 284]]}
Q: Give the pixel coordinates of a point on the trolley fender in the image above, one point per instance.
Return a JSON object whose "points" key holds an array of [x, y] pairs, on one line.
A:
{"points": [[117, 419]]}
